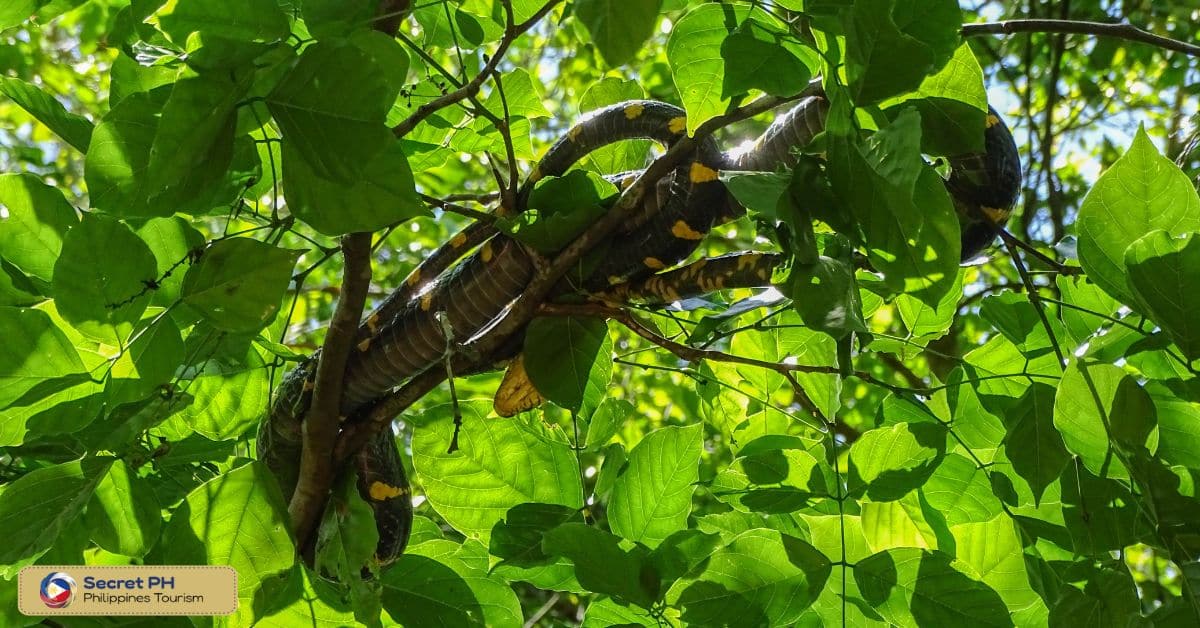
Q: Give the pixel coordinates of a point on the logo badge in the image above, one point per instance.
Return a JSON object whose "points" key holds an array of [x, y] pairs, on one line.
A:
{"points": [[57, 589]]}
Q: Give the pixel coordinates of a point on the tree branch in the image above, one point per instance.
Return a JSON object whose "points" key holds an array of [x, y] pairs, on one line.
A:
{"points": [[511, 32], [1076, 27], [321, 424]]}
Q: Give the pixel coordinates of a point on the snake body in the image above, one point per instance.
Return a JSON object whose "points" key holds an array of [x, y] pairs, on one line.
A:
{"points": [[406, 335]]}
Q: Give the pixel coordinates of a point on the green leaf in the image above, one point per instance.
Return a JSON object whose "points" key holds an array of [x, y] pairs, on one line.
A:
{"points": [[308, 601], [332, 106], [130, 77], [1092, 307], [892, 45], [619, 28], [238, 519], [1099, 402], [993, 550], [761, 578], [1178, 411], [124, 515], [335, 18], [444, 590], [623, 156], [171, 240], [150, 360], [248, 21], [602, 565], [193, 144], [1164, 275], [347, 536], [773, 481], [907, 219], [894, 460], [953, 106], [119, 154], [913, 587], [1015, 316], [826, 296], [38, 506], [35, 219], [653, 494], [569, 360], [694, 52], [758, 57], [901, 523], [1033, 444], [228, 398], [518, 539], [100, 280], [499, 464], [1142, 192], [384, 195], [73, 129], [521, 95], [606, 421], [961, 491], [238, 284]]}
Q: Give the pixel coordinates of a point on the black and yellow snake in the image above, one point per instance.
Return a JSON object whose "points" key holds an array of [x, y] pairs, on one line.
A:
{"points": [[406, 334]]}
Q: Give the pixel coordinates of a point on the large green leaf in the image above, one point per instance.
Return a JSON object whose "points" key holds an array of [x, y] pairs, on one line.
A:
{"points": [[891, 461], [694, 52], [193, 144], [761, 57], [102, 279], [53, 393], [569, 360], [332, 106], [36, 507], [171, 240], [238, 284], [308, 601], [1164, 275], [117, 158], [17, 11], [913, 587], [906, 522], [334, 18], [618, 27], [35, 221], [993, 550], [1142, 192], [1177, 406], [431, 586], [227, 398], [499, 464], [761, 578], [773, 481], [124, 515], [73, 129], [961, 491], [238, 519], [1099, 402], [953, 106], [602, 565], [1033, 444], [653, 494], [892, 45], [249, 20], [384, 195]]}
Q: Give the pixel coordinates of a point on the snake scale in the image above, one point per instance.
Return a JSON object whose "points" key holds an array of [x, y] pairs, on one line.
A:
{"points": [[406, 335]]}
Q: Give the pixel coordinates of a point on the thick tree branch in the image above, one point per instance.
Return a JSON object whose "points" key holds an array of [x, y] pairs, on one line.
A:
{"points": [[1075, 27], [321, 424], [511, 32]]}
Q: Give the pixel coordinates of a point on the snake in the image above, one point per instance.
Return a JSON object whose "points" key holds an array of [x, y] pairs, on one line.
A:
{"points": [[468, 283]]}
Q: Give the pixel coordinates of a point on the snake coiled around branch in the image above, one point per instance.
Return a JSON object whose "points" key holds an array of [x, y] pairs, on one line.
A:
{"points": [[408, 333]]}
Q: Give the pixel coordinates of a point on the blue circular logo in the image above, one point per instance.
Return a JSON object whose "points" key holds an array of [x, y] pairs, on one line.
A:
{"points": [[57, 589]]}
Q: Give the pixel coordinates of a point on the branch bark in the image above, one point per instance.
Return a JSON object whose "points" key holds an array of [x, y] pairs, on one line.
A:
{"points": [[1077, 27], [321, 424]]}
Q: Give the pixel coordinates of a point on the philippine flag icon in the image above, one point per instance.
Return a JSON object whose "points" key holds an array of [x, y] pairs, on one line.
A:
{"points": [[57, 590]]}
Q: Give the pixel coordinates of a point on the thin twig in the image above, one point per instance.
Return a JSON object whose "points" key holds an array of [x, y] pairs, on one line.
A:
{"points": [[453, 208], [1077, 27], [511, 32]]}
